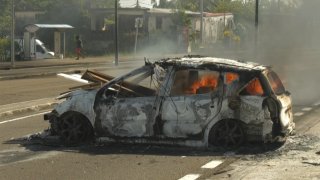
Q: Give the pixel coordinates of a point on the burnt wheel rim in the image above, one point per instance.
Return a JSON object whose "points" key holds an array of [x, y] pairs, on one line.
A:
{"points": [[227, 133], [73, 129]]}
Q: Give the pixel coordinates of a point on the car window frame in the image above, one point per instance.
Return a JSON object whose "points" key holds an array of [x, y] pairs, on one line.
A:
{"points": [[220, 80], [261, 80], [116, 80]]}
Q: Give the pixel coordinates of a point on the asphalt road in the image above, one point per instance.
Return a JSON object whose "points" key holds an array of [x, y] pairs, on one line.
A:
{"points": [[22, 159], [90, 162]]}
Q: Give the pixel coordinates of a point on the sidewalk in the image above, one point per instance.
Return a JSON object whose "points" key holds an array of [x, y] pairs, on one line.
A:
{"points": [[27, 106], [59, 62], [81, 61], [49, 67]]}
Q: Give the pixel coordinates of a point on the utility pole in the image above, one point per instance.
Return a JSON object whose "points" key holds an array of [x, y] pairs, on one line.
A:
{"points": [[12, 34], [257, 14], [201, 22], [256, 28], [116, 56]]}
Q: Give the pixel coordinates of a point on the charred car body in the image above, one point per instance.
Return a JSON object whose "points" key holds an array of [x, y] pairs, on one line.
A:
{"points": [[193, 101]]}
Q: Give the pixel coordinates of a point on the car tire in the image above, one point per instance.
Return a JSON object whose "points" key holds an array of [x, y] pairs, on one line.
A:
{"points": [[227, 133], [74, 128]]}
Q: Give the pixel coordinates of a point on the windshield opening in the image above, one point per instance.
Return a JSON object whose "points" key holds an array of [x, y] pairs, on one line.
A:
{"points": [[143, 82]]}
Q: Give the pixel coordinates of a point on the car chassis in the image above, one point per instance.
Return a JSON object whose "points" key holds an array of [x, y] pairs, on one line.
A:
{"points": [[221, 111]]}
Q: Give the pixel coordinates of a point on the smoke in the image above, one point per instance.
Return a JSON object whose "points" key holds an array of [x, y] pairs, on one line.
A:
{"points": [[161, 47], [289, 41]]}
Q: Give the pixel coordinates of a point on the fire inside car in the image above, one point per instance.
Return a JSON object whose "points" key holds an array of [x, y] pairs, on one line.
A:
{"points": [[192, 101]]}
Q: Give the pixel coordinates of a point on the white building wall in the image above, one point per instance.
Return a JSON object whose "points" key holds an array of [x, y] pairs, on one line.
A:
{"points": [[213, 27]]}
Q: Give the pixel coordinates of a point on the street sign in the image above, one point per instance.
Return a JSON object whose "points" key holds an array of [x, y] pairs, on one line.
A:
{"points": [[138, 23]]}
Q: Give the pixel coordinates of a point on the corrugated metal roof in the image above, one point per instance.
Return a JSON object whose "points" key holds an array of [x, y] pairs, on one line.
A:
{"points": [[36, 27], [169, 11], [57, 26]]}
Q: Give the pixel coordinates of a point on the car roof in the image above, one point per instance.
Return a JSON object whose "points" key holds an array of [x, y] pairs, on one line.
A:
{"points": [[211, 63]]}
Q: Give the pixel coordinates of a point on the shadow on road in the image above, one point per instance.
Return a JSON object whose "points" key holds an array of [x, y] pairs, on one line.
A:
{"points": [[143, 149]]}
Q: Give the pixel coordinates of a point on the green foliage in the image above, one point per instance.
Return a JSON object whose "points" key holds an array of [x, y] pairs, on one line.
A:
{"points": [[181, 18], [104, 3], [4, 45], [5, 48], [33, 5], [240, 9], [165, 4], [5, 18]]}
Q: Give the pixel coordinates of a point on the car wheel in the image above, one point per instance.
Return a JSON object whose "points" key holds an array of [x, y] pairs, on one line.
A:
{"points": [[227, 133], [74, 129]]}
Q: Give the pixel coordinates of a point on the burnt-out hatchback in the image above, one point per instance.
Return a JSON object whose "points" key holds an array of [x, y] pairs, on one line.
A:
{"points": [[192, 101]]}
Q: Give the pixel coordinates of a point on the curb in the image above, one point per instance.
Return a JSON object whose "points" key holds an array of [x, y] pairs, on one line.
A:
{"points": [[77, 71], [37, 75], [51, 65], [34, 108], [44, 66]]}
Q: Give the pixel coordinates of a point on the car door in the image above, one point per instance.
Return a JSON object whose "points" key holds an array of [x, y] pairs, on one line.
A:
{"points": [[130, 117], [193, 101], [124, 107]]}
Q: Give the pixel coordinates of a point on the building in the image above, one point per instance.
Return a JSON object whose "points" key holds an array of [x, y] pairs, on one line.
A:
{"points": [[165, 22]]}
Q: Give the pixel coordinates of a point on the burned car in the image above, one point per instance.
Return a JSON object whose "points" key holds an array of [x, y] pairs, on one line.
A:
{"points": [[192, 101]]}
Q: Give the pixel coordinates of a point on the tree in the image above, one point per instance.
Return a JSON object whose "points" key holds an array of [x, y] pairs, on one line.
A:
{"points": [[104, 3], [165, 4], [241, 10], [5, 18]]}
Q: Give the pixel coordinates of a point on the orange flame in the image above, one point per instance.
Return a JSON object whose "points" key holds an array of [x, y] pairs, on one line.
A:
{"points": [[254, 88], [230, 77], [210, 81]]}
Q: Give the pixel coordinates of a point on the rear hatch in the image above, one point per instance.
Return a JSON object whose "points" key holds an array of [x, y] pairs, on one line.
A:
{"points": [[284, 99]]}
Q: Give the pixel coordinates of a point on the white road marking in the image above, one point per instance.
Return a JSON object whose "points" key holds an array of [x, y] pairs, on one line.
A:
{"points": [[190, 177], [298, 114], [307, 109], [212, 164], [24, 117], [74, 77]]}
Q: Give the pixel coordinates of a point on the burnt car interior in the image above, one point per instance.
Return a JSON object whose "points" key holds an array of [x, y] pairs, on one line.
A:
{"points": [[187, 82], [243, 84], [253, 88], [141, 85]]}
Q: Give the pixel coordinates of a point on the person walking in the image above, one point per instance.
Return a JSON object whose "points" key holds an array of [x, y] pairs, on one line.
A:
{"points": [[79, 47]]}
